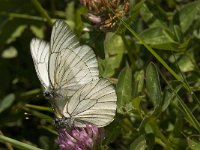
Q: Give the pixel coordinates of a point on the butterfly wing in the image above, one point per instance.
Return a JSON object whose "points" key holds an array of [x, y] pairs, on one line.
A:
{"points": [[94, 103], [70, 65], [40, 55], [62, 37]]}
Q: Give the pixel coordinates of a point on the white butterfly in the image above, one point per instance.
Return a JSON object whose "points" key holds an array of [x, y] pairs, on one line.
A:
{"points": [[69, 73], [63, 66]]}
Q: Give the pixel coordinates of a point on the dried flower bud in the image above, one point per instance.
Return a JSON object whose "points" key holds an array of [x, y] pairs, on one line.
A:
{"points": [[105, 14], [80, 138]]}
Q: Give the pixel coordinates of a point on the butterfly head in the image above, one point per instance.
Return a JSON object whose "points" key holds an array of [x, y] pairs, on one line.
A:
{"points": [[63, 123], [48, 94]]}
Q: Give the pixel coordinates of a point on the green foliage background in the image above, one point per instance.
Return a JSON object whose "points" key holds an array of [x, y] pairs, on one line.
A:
{"points": [[153, 58]]}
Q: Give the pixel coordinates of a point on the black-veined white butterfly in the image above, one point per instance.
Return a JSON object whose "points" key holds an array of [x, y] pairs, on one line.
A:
{"points": [[69, 74]]}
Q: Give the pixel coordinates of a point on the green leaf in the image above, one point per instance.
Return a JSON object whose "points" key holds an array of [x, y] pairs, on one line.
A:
{"points": [[188, 14], [193, 144], [18, 31], [153, 85], [124, 88], [153, 15], [185, 62], [6, 102], [139, 143], [136, 106], [138, 82], [10, 52], [114, 49], [160, 38], [178, 33]]}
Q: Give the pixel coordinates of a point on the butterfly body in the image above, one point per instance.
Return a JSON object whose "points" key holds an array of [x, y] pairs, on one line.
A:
{"points": [[48, 94], [69, 74], [64, 122]]}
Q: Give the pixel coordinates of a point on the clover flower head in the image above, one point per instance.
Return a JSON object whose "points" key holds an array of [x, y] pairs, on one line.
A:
{"points": [[105, 14], [84, 138]]}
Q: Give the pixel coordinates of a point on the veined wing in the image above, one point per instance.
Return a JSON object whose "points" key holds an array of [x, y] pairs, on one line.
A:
{"points": [[62, 37], [70, 65], [40, 55], [95, 103]]}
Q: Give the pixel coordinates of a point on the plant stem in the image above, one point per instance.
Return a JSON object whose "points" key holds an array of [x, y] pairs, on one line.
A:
{"points": [[183, 107], [21, 16], [18, 144], [42, 11], [8, 145]]}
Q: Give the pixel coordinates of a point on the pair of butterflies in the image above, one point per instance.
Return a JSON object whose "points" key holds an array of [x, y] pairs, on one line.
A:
{"points": [[69, 74]]}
